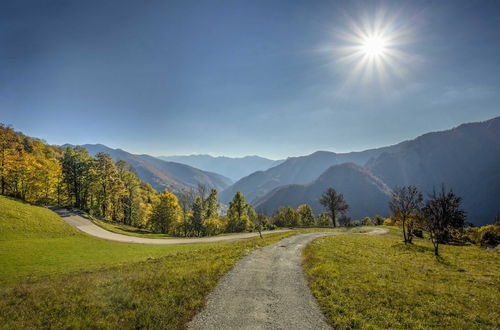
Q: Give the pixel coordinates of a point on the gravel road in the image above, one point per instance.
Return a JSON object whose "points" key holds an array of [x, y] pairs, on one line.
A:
{"points": [[267, 290], [90, 228]]}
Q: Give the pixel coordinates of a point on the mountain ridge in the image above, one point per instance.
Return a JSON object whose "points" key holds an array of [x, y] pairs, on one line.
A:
{"points": [[465, 158], [232, 167]]}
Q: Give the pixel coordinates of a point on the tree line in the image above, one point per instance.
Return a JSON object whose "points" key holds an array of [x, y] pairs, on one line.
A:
{"points": [[39, 173]]}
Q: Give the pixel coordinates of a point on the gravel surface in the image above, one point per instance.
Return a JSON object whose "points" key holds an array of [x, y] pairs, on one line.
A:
{"points": [[90, 228], [267, 290]]}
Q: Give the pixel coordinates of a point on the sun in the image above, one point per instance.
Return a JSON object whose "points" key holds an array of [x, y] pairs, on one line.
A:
{"points": [[374, 46]]}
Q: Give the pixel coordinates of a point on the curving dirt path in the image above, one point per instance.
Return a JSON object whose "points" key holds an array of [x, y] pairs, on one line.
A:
{"points": [[267, 290], [90, 228]]}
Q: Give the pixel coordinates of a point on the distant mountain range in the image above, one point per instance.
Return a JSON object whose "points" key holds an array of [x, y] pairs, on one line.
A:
{"points": [[301, 170], [233, 168], [161, 174], [466, 159]]}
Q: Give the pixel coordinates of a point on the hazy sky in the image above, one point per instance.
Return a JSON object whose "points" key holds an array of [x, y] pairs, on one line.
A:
{"points": [[243, 77]]}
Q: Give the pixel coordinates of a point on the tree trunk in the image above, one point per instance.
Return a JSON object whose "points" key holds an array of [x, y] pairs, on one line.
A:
{"points": [[404, 230]]}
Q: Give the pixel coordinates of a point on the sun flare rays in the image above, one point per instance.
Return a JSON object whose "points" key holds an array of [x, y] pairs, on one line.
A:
{"points": [[370, 49]]}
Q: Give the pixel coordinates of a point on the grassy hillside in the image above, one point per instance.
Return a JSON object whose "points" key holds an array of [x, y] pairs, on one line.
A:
{"points": [[22, 221], [53, 276], [378, 282]]}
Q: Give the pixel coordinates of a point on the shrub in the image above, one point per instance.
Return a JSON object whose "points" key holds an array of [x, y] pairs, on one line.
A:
{"points": [[472, 234], [344, 220], [323, 219], [356, 223], [489, 235], [389, 222], [418, 233], [270, 226], [379, 220], [367, 221], [213, 226]]}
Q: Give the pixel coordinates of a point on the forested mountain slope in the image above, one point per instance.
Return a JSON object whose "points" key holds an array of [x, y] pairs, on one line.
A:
{"points": [[366, 194], [162, 174], [466, 159]]}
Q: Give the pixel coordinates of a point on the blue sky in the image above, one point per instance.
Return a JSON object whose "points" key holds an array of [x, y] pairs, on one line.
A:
{"points": [[242, 77]]}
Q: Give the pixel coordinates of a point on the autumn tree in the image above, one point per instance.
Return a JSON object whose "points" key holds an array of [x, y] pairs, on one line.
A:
{"points": [[107, 180], [186, 201], [334, 203], [237, 213], [306, 215], [405, 205], [77, 175], [212, 205], [323, 219], [286, 217], [197, 216], [9, 143], [166, 212]]}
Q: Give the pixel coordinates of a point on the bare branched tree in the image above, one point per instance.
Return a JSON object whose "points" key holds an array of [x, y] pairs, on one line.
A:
{"points": [[334, 203], [441, 213], [405, 205]]}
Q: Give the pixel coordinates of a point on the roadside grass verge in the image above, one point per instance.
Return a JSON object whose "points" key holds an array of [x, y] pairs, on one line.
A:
{"points": [[379, 282], [129, 230], [137, 232]]}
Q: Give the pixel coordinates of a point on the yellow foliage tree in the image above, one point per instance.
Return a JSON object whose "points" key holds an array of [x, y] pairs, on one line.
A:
{"points": [[166, 212]]}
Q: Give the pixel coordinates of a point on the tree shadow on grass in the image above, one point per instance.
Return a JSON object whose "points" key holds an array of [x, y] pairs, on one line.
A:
{"points": [[412, 247]]}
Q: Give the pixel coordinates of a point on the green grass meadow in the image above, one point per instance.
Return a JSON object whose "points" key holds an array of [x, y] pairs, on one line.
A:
{"points": [[52, 276], [378, 282]]}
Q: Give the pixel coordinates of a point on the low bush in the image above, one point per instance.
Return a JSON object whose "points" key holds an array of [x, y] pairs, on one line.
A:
{"points": [[389, 222], [418, 232], [379, 220], [356, 223], [367, 221], [488, 235]]}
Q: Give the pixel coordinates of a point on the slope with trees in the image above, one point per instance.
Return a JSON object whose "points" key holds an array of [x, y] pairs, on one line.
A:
{"points": [[365, 193], [162, 174], [466, 159]]}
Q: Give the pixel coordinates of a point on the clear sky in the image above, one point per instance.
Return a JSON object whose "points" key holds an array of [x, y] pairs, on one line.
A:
{"points": [[273, 78]]}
